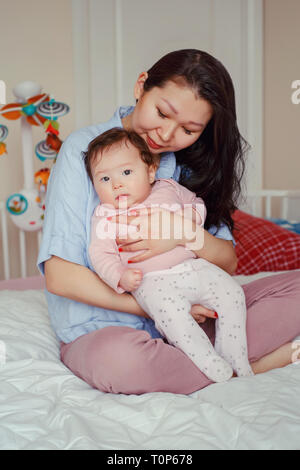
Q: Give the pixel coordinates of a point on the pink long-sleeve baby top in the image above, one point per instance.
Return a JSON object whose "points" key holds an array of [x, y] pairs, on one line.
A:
{"points": [[106, 259]]}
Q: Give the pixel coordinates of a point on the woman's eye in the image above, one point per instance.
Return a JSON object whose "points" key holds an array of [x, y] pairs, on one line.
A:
{"points": [[127, 172], [105, 178], [161, 114], [187, 131]]}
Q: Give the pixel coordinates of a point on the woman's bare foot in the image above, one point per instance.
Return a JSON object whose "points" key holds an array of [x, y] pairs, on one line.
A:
{"points": [[281, 357]]}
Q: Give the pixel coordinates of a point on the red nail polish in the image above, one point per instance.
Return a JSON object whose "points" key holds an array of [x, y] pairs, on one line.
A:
{"points": [[120, 249], [129, 261], [108, 218], [216, 315]]}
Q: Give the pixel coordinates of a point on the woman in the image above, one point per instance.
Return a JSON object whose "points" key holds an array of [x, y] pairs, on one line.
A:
{"points": [[185, 105]]}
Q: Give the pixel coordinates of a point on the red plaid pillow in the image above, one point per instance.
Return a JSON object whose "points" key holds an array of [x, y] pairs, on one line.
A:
{"points": [[264, 246]]}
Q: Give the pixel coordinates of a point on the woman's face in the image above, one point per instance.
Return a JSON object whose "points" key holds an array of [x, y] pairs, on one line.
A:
{"points": [[169, 118]]}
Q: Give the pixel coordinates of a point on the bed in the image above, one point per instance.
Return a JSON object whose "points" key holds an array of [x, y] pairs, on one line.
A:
{"points": [[44, 406]]}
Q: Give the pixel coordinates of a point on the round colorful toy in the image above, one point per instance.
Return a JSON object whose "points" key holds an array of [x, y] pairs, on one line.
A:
{"points": [[52, 109], [16, 204], [24, 210], [44, 151]]}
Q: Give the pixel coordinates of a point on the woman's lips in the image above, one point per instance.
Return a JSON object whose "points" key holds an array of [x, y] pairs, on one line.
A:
{"points": [[153, 144]]}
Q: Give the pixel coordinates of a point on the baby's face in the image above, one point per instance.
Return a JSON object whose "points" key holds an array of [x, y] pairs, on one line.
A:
{"points": [[120, 176]]}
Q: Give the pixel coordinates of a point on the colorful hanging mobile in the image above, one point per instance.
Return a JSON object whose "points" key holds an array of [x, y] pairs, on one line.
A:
{"points": [[50, 111], [3, 135], [40, 110], [27, 206]]}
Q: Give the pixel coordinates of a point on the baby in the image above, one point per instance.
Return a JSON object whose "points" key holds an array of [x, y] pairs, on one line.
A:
{"points": [[166, 286]]}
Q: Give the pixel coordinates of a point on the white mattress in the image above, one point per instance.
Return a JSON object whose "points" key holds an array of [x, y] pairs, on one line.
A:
{"points": [[44, 406]]}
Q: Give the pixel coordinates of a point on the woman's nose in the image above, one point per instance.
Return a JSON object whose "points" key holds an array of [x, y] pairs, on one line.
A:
{"points": [[166, 132]]}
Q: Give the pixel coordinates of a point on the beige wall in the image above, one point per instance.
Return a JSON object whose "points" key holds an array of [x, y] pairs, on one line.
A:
{"points": [[36, 44], [281, 117]]}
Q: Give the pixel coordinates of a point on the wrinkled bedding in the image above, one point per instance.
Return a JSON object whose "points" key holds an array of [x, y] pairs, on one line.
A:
{"points": [[44, 406]]}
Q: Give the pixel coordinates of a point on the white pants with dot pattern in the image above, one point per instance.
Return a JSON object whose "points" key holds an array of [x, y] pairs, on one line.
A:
{"points": [[167, 297]]}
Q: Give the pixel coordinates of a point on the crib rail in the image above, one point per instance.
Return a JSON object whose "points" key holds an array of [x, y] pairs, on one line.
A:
{"points": [[5, 245], [259, 203], [4, 233]]}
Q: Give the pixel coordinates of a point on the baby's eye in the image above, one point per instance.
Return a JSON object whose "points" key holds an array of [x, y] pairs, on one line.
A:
{"points": [[127, 172], [104, 178]]}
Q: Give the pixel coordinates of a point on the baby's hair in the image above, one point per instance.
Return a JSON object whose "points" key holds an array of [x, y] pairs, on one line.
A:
{"points": [[114, 136]]}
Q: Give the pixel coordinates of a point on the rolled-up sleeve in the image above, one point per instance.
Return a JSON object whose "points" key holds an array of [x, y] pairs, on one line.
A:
{"points": [[222, 232]]}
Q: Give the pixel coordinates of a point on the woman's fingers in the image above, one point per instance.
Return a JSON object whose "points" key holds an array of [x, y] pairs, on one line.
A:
{"points": [[142, 257], [200, 313], [133, 246], [200, 319]]}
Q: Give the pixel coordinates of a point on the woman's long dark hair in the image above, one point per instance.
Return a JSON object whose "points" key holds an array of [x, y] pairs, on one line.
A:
{"points": [[214, 165]]}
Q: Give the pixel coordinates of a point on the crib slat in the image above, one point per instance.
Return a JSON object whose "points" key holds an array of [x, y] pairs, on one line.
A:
{"points": [[5, 248], [284, 207], [268, 207], [39, 238], [22, 252]]}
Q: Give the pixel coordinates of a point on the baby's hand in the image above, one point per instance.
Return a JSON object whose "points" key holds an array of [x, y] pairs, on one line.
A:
{"points": [[131, 279]]}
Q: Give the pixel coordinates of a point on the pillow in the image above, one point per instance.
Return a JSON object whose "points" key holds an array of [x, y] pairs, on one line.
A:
{"points": [[288, 224], [262, 245]]}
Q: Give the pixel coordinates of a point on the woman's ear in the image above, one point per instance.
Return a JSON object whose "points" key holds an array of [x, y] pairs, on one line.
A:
{"points": [[139, 85]]}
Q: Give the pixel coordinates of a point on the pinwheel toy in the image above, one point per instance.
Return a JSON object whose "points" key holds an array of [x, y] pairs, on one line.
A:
{"points": [[3, 135], [26, 207], [13, 111]]}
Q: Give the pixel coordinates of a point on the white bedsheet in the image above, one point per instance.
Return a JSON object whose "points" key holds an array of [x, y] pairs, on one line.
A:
{"points": [[44, 406]]}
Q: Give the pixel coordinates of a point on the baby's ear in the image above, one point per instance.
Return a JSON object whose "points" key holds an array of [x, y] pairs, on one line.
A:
{"points": [[152, 172]]}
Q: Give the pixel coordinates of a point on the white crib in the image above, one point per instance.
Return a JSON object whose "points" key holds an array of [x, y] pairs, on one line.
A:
{"points": [[259, 203], [5, 245]]}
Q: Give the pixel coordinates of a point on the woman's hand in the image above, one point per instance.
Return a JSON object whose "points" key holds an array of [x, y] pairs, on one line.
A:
{"points": [[154, 230], [200, 313]]}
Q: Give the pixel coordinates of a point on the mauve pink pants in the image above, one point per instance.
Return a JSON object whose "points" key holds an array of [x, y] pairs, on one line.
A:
{"points": [[125, 360]]}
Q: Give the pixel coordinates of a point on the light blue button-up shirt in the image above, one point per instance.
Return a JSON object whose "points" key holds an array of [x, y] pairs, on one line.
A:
{"points": [[70, 203]]}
